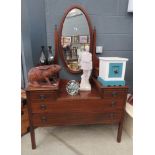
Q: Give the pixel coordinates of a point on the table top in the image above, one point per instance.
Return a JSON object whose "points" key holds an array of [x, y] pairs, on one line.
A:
{"points": [[82, 95], [93, 94], [44, 87]]}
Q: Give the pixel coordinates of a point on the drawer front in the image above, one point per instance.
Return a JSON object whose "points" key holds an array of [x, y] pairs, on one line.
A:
{"points": [[114, 103], [43, 96], [81, 106], [75, 118], [113, 94]]}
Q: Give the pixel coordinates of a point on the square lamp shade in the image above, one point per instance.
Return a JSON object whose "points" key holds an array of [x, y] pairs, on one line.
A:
{"points": [[112, 71]]}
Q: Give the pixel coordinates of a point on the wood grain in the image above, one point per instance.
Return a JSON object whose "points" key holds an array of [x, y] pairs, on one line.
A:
{"points": [[101, 105], [75, 118]]}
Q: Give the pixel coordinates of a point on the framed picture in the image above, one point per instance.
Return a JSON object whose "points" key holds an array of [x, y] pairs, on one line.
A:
{"points": [[67, 40], [83, 39], [75, 39]]}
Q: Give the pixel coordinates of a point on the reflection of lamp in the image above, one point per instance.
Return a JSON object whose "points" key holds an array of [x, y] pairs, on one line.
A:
{"points": [[73, 11]]}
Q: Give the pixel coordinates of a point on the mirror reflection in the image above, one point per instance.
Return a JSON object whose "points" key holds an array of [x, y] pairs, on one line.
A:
{"points": [[75, 38]]}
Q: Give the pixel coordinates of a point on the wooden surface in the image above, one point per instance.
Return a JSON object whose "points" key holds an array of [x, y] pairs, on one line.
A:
{"points": [[102, 105], [24, 114], [24, 120], [49, 87], [56, 45], [94, 57]]}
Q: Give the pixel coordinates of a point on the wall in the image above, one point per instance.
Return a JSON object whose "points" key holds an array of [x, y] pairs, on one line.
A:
{"points": [[26, 50], [33, 27], [113, 25], [36, 12]]}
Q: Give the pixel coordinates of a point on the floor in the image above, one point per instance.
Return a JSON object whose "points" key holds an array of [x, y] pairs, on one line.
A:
{"points": [[77, 140]]}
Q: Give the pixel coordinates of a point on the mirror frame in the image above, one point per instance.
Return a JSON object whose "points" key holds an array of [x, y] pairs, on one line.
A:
{"points": [[60, 34]]}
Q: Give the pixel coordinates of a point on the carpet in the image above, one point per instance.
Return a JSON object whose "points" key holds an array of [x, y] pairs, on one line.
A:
{"points": [[77, 140]]}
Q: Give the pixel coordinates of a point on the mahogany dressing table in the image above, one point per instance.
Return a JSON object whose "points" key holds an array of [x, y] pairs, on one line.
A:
{"points": [[101, 105]]}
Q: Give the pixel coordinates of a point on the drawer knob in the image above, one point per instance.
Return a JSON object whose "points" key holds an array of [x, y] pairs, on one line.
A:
{"points": [[43, 106], [114, 94], [113, 103], [43, 119], [42, 97]]}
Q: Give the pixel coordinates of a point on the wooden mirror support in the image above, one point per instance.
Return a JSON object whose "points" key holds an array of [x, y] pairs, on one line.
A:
{"points": [[56, 45], [92, 33], [95, 71]]}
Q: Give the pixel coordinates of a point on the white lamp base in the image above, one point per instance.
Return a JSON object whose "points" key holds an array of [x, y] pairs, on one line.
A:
{"points": [[85, 85], [85, 88]]}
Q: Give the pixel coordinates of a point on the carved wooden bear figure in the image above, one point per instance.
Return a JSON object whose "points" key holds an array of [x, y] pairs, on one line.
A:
{"points": [[42, 73]]}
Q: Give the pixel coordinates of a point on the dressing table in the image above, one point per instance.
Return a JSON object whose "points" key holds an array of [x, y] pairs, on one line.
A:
{"points": [[101, 105]]}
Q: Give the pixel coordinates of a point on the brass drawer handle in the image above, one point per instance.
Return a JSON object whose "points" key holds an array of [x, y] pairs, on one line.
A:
{"points": [[43, 106], [113, 103], [42, 97], [44, 119], [114, 94]]}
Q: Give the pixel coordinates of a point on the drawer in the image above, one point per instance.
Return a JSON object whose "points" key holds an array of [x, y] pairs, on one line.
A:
{"points": [[43, 96], [114, 94], [75, 118], [114, 103], [81, 106]]}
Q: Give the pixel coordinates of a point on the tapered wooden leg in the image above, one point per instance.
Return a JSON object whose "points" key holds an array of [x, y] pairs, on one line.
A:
{"points": [[32, 133], [119, 132]]}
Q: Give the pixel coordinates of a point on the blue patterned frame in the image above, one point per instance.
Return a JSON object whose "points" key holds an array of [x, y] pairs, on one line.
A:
{"points": [[115, 70]]}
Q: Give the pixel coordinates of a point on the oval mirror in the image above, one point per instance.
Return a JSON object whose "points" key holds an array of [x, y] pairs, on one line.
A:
{"points": [[75, 35]]}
